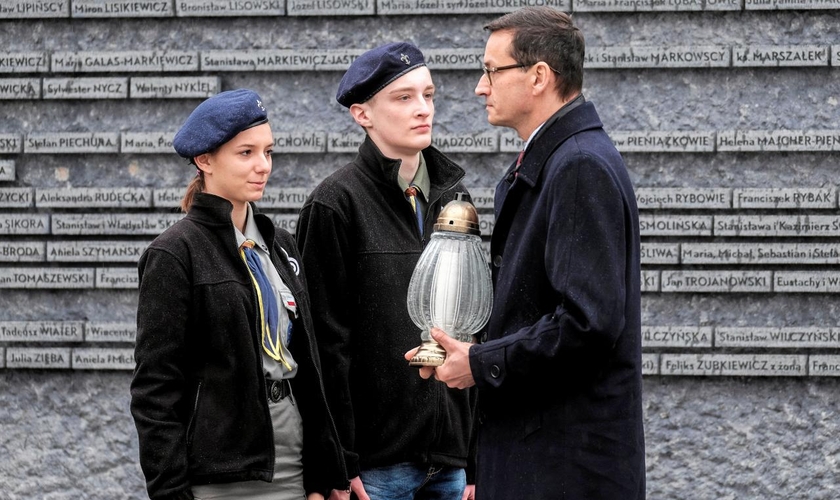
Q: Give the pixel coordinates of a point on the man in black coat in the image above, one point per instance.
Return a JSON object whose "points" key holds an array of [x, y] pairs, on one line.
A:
{"points": [[559, 369]]}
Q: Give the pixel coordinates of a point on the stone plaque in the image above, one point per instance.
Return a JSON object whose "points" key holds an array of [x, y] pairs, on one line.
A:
{"points": [[22, 251], [650, 364], [751, 365], [285, 221], [509, 142], [791, 4], [717, 281], [147, 142], [675, 225], [807, 281], [278, 60], [113, 224], [657, 57], [780, 55], [655, 5], [100, 358], [24, 224], [237, 8], [660, 253], [785, 198], [760, 253], [390, 7], [24, 62], [117, 277], [486, 223], [835, 55], [16, 197], [331, 7], [10, 143], [95, 251], [85, 88], [2, 357], [677, 336], [483, 198], [300, 142], [124, 61], [110, 332], [664, 142], [693, 198], [824, 365], [168, 197], [122, 8], [344, 143], [73, 142], [20, 88], [777, 225], [650, 281], [34, 9], [7, 170], [43, 277], [41, 331], [469, 59], [283, 198], [785, 337], [38, 357], [778, 140], [110, 197], [468, 143], [174, 87]]}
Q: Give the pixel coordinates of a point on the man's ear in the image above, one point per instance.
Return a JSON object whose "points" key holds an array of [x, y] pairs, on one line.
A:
{"points": [[202, 161], [543, 79], [361, 113]]}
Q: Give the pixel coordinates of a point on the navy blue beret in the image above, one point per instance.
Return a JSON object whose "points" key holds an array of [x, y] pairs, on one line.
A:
{"points": [[375, 69], [218, 120]]}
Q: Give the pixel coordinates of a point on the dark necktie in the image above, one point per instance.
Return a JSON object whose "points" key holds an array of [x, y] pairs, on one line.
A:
{"points": [[411, 194]]}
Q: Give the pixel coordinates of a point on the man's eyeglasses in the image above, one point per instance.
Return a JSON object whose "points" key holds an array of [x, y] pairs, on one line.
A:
{"points": [[490, 71]]}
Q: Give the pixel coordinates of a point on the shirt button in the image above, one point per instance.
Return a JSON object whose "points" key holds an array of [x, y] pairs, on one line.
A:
{"points": [[497, 261], [495, 371]]}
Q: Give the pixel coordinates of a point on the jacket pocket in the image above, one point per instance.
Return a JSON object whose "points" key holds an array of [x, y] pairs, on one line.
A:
{"points": [[193, 416]]}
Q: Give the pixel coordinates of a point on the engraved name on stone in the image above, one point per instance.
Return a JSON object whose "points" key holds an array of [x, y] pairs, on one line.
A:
{"points": [[482, 198], [285, 221], [807, 281], [509, 142], [113, 224], [664, 142], [677, 336], [468, 143], [778, 140], [122, 8], [20, 88], [791, 4], [760, 253], [650, 364], [73, 142], [660, 253], [777, 225], [284, 198], [38, 357], [344, 143], [650, 281], [24, 62], [22, 251], [85, 88], [95, 251], [784, 337], [117, 277], [129, 61], [174, 87], [278, 60], [824, 365], [657, 57], [300, 142], [785, 198], [768, 365], [469, 59], [101, 358], [389, 7], [110, 332], [24, 224], [655, 5], [675, 225], [146, 142], [34, 9], [694, 198], [486, 223], [39, 277], [331, 7], [94, 197], [41, 331], [168, 197], [16, 197], [219, 8], [780, 55], [10, 143], [717, 281], [835, 54], [7, 170]]}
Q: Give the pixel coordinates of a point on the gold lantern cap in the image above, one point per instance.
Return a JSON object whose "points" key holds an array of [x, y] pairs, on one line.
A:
{"points": [[458, 216]]}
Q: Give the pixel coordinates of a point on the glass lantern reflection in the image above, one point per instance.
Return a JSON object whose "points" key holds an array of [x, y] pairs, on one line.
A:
{"points": [[451, 287]]}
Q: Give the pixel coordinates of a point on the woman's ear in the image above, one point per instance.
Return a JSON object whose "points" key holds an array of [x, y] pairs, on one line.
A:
{"points": [[361, 113], [203, 163]]}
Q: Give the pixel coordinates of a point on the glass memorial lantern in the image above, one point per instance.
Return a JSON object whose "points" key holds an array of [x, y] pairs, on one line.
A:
{"points": [[451, 287]]}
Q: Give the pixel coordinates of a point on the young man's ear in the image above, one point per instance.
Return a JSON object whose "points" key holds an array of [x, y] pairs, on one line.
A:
{"points": [[361, 113]]}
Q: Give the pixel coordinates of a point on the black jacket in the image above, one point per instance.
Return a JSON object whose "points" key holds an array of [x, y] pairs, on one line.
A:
{"points": [[360, 242], [198, 396]]}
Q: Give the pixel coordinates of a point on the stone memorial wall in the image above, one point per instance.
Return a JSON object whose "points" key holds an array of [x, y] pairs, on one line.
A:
{"points": [[727, 113]]}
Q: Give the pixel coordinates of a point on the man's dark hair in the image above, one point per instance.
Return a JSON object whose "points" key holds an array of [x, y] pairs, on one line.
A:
{"points": [[548, 35]]}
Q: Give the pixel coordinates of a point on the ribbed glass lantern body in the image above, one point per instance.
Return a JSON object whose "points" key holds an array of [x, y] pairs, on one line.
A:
{"points": [[451, 288]]}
